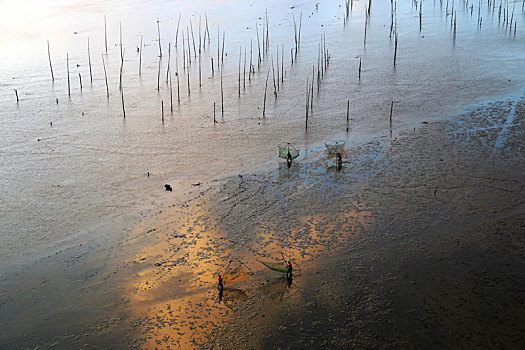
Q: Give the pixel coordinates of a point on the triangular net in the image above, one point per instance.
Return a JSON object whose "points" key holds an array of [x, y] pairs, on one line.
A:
{"points": [[235, 273], [335, 147], [285, 148]]}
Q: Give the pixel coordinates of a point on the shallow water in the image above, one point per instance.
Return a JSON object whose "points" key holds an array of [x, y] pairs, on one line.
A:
{"points": [[85, 176]]}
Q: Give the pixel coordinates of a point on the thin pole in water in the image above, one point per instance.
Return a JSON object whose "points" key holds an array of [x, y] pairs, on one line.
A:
{"points": [[89, 61], [68, 82], [265, 89], [140, 56], [105, 76], [50, 65], [158, 30], [105, 34], [177, 31]]}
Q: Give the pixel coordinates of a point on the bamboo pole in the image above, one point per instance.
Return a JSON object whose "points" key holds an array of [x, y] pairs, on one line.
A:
{"points": [[222, 54], [188, 76], [207, 30], [258, 45], [274, 86], [105, 76], [123, 108], [50, 65], [89, 61], [240, 55], [307, 102], [395, 49], [68, 82], [140, 56], [16, 94], [251, 65], [158, 74], [177, 31], [300, 23], [282, 64], [171, 95], [347, 110], [277, 63], [265, 89], [162, 109], [183, 53], [105, 34], [80, 80], [158, 30], [359, 68], [391, 108], [200, 72], [177, 74], [193, 39], [169, 59], [244, 72], [214, 120], [222, 97]]}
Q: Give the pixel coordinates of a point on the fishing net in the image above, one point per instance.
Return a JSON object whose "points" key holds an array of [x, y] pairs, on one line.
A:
{"points": [[335, 147], [235, 273], [285, 148], [276, 266]]}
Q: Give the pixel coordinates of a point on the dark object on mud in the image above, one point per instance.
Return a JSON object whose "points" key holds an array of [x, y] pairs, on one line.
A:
{"points": [[168, 187]]}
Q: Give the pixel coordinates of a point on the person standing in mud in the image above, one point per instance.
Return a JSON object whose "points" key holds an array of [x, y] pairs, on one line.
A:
{"points": [[221, 284], [289, 269]]}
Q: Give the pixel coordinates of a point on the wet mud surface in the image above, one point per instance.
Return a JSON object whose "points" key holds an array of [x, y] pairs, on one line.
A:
{"points": [[417, 241]]}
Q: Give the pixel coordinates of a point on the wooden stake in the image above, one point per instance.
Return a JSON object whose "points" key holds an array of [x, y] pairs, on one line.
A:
{"points": [[105, 76], [80, 81], [50, 65], [359, 68], [16, 93], [244, 72], [162, 109], [214, 120], [212, 71]]}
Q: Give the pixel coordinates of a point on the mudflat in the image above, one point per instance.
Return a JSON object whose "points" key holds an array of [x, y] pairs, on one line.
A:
{"points": [[416, 241]]}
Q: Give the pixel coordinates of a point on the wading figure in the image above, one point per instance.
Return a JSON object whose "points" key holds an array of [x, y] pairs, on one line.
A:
{"points": [[289, 270], [221, 284], [289, 159], [339, 159]]}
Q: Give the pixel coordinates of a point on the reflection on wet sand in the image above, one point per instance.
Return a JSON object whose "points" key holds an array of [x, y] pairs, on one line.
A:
{"points": [[174, 292]]}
